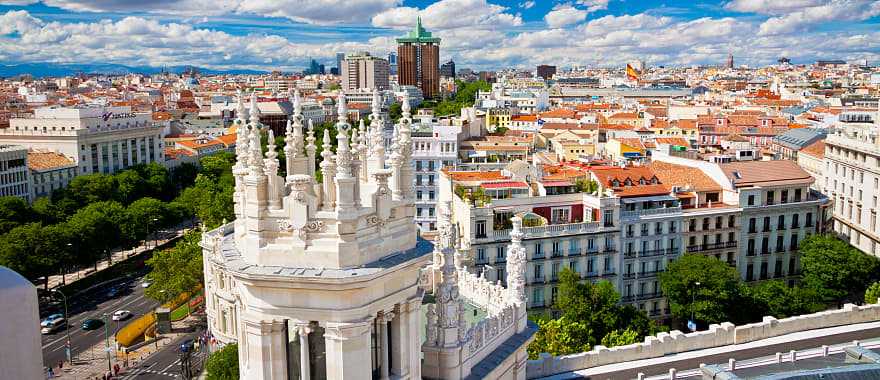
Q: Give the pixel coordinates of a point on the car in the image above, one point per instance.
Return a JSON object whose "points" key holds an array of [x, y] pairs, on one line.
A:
{"points": [[92, 324], [187, 345], [53, 326], [112, 292], [146, 283], [120, 315], [50, 319]]}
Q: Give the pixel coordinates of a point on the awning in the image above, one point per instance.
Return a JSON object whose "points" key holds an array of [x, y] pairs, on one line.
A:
{"points": [[653, 198]]}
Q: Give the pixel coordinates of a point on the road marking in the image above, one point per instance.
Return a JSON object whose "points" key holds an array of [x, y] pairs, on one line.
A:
{"points": [[171, 365]]}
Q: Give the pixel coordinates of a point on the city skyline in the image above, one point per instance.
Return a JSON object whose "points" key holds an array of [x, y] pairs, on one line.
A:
{"points": [[491, 34]]}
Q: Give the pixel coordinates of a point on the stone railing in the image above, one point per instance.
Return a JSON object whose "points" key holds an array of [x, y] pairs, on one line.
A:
{"points": [[484, 337], [550, 230], [482, 293], [718, 335]]}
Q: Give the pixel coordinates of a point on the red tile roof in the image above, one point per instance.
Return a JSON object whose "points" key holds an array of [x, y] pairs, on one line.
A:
{"points": [[504, 185]]}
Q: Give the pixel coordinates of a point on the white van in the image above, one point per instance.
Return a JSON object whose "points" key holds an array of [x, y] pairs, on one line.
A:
{"points": [[53, 326]]}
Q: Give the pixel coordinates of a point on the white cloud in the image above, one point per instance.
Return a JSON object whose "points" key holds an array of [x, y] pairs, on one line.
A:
{"points": [[527, 4], [18, 2], [838, 10], [770, 6], [594, 5], [450, 14], [563, 15]]}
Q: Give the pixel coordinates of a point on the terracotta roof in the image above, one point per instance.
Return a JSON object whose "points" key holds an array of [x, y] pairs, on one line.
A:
{"points": [[196, 144], [672, 141], [766, 173], [228, 140], [816, 149], [475, 175], [524, 118], [684, 176], [559, 113], [556, 183], [624, 115], [504, 185], [607, 176], [46, 160], [631, 142]]}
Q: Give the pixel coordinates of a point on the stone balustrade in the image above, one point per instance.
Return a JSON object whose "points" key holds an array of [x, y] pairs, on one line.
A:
{"points": [[716, 336], [482, 293]]}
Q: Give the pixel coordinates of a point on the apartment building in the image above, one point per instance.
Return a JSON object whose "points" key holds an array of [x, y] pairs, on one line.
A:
{"points": [[435, 147], [14, 174], [852, 179], [364, 71]]}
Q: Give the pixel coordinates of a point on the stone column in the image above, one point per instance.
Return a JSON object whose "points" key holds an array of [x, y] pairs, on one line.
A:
{"points": [[348, 350], [412, 355], [137, 150], [305, 368], [121, 153], [385, 349], [266, 350], [100, 158]]}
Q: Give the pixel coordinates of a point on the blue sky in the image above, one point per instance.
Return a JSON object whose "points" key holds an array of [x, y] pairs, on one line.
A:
{"points": [[482, 34]]}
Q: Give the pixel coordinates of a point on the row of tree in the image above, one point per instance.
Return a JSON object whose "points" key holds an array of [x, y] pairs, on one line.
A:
{"points": [[710, 291], [96, 213], [465, 95]]}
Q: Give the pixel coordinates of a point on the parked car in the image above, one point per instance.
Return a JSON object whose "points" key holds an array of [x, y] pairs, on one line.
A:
{"points": [[120, 315], [92, 324], [187, 345], [112, 292], [50, 319], [146, 283], [53, 326]]}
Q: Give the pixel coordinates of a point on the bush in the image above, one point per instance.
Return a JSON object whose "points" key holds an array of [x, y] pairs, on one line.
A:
{"points": [[223, 364], [872, 293]]}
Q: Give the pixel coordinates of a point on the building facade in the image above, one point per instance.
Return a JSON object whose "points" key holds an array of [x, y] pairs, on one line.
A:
{"points": [[418, 61], [364, 71], [447, 69], [14, 175], [546, 71], [326, 279], [99, 139], [435, 147]]}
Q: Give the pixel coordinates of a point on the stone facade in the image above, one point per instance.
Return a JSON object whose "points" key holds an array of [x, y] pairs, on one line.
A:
{"points": [[324, 279]]}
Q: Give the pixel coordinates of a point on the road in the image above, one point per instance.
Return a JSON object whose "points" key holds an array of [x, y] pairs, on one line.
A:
{"points": [[654, 370], [93, 304], [164, 364]]}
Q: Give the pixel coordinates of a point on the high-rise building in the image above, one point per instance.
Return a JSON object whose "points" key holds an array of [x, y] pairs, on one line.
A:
{"points": [[546, 71], [363, 70], [447, 70], [730, 60], [392, 63], [419, 61], [339, 57], [315, 68]]}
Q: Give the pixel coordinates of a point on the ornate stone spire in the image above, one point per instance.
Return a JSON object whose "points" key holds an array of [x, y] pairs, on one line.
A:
{"points": [[310, 149], [450, 323], [254, 112], [377, 135], [328, 188], [297, 126], [343, 148], [271, 171], [516, 262], [240, 110]]}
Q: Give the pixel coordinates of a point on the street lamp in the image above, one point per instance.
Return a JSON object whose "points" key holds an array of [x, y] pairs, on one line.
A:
{"points": [[67, 319], [64, 269], [155, 234], [107, 343], [693, 310]]}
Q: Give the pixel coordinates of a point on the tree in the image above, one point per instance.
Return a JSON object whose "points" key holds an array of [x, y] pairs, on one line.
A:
{"points": [[184, 175], [781, 301], [14, 211], [141, 215], [90, 188], [223, 363], [21, 249], [589, 313], [620, 338], [177, 269], [47, 211], [872, 293], [586, 186], [98, 228], [130, 186], [709, 302], [835, 269]]}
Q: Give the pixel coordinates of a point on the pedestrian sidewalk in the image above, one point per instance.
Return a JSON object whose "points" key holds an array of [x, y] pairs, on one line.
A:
{"points": [[121, 254], [92, 363]]}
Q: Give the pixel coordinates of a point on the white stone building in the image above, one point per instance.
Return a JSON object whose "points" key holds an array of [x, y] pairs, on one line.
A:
{"points": [[435, 147], [363, 70], [100, 139], [852, 179], [326, 279], [14, 175]]}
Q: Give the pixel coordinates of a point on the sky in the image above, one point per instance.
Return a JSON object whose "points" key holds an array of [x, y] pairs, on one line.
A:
{"points": [[479, 34]]}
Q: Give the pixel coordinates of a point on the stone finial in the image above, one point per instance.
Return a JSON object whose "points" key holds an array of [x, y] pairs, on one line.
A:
{"points": [[341, 109], [239, 109], [270, 144], [404, 106], [516, 234], [326, 151], [297, 104], [254, 110]]}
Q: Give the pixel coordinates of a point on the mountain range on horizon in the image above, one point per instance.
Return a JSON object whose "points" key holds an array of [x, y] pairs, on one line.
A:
{"points": [[43, 70]]}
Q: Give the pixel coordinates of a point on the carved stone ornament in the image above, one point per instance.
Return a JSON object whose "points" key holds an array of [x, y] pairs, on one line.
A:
{"points": [[284, 225]]}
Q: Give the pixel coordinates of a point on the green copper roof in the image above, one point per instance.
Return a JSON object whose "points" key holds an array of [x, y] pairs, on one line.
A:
{"points": [[419, 35]]}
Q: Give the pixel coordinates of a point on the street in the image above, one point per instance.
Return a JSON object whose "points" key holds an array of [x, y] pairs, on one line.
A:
{"points": [[165, 364], [93, 304]]}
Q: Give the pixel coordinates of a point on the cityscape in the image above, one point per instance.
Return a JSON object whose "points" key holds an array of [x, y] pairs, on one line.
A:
{"points": [[451, 189]]}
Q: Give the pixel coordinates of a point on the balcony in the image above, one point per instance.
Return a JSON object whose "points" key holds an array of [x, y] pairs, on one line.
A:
{"points": [[629, 298], [630, 255], [551, 230], [649, 274], [647, 296], [629, 276], [658, 252], [556, 254], [608, 274], [636, 214], [709, 247]]}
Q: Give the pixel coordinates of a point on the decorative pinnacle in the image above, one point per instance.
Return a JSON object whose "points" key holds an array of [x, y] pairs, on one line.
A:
{"points": [[311, 135], [342, 108], [270, 144], [377, 102], [404, 108], [239, 108], [326, 152], [255, 110], [297, 105]]}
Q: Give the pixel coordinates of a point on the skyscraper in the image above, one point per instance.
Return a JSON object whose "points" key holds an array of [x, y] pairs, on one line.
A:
{"points": [[363, 70], [448, 69], [419, 61], [392, 63], [339, 57], [730, 60], [546, 71]]}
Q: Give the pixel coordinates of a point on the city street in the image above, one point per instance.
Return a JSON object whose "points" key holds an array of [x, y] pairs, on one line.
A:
{"points": [[93, 304], [165, 364]]}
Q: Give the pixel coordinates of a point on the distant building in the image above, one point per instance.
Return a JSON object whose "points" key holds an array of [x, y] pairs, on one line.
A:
{"points": [[364, 71], [419, 55], [730, 60], [392, 63], [49, 171], [100, 139], [315, 68], [448, 69], [339, 57], [14, 176], [546, 71]]}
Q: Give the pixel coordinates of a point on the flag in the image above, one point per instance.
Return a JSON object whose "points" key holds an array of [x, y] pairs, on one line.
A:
{"points": [[631, 72]]}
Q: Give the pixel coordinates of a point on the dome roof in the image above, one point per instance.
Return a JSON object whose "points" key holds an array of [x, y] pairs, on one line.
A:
{"points": [[10, 279]]}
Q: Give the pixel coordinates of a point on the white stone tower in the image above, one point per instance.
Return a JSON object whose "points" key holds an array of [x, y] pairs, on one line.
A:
{"points": [[318, 276]]}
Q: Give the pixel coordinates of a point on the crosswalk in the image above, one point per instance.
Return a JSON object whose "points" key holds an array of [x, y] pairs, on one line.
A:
{"points": [[138, 374]]}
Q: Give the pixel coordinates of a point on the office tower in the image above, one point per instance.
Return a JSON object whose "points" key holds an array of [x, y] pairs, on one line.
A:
{"points": [[419, 60], [447, 70], [546, 71], [363, 70]]}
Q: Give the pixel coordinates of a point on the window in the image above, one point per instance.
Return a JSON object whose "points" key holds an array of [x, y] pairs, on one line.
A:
{"points": [[538, 271], [795, 222], [556, 251], [780, 224], [539, 250], [765, 245], [766, 224], [560, 215], [777, 269], [780, 242], [770, 197], [500, 253], [763, 270], [794, 243], [752, 228], [608, 218], [481, 255], [751, 201], [481, 229], [672, 228], [784, 197], [797, 195], [750, 269], [731, 221], [751, 247]]}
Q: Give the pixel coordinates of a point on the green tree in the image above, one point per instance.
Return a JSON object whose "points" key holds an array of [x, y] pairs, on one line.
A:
{"points": [[47, 211], [560, 336], [395, 111], [184, 175], [14, 211], [98, 228], [177, 269], [710, 301], [620, 338], [22, 250], [144, 216], [129, 186], [872, 293], [835, 269], [90, 188], [223, 363], [777, 299], [586, 186]]}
